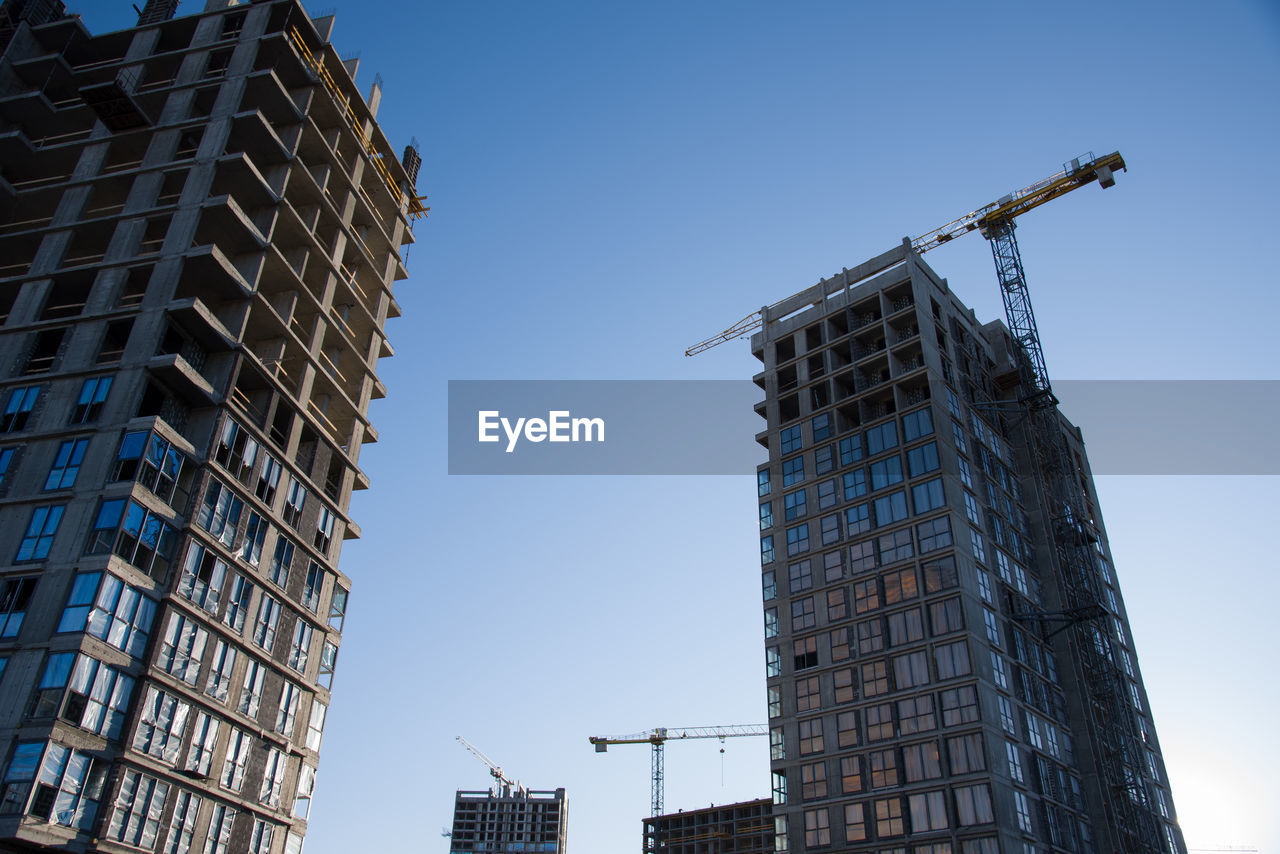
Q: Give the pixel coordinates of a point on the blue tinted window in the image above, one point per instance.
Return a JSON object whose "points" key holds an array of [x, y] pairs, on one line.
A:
{"points": [[882, 438], [850, 449], [917, 424], [791, 440], [922, 459], [821, 427]]}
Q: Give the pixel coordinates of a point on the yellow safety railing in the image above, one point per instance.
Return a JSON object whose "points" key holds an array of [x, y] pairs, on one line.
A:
{"points": [[376, 157]]}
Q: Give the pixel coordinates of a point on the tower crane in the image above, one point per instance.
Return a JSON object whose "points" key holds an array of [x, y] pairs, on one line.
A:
{"points": [[503, 784], [659, 736], [1116, 744]]}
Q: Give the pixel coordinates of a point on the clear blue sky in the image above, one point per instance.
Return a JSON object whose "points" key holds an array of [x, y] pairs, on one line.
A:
{"points": [[611, 182]]}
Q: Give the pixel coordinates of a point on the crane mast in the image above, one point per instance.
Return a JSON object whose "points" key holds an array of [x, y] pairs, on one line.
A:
{"points": [[503, 784], [658, 736]]}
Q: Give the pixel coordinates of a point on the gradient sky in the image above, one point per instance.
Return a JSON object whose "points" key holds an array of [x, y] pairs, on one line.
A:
{"points": [[611, 182]]}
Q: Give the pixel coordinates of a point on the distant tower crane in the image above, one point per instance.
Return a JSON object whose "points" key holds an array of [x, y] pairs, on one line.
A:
{"points": [[659, 736], [503, 785], [1117, 750]]}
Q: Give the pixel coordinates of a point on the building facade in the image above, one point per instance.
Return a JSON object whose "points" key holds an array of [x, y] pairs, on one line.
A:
{"points": [[510, 820], [923, 692], [742, 828], [200, 226]]}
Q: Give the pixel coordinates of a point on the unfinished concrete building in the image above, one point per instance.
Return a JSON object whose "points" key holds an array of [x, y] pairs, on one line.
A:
{"points": [[922, 692], [509, 820], [200, 226], [742, 828]]}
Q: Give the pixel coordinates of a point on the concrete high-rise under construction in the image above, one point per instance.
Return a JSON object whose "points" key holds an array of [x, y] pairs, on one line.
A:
{"points": [[509, 819], [932, 682], [200, 226]]}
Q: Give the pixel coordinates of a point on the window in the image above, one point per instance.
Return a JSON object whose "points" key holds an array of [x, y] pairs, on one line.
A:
{"points": [[879, 722], [98, 698], [255, 533], [813, 781], [797, 539], [251, 692], [840, 644], [952, 660], [802, 614], [324, 529], [66, 464], [946, 616], [236, 451], [268, 479], [855, 822], [993, 627], [833, 566], [999, 673], [870, 636], [779, 787], [143, 539], [777, 745], [805, 652], [959, 706], [136, 818], [792, 471], [264, 626], [220, 825], [315, 725], [238, 744], [771, 622], [862, 557], [204, 737], [866, 596], [118, 614], [884, 768], [303, 791], [966, 476], [766, 515], [817, 827], [153, 462], [810, 736], [917, 424], [220, 512], [895, 546], [1006, 715], [237, 602], [875, 679], [850, 449], [15, 593], [772, 661], [857, 519], [766, 549], [821, 427], [6, 459], [923, 459], [300, 645], [882, 438], [888, 817], [794, 505], [836, 608], [928, 812], [203, 575], [287, 711], [272, 778], [915, 714], [957, 436], [1014, 757], [762, 482], [220, 668], [182, 648], [899, 586], [161, 725], [41, 529], [93, 394], [928, 496], [940, 574], [910, 670], [886, 472], [934, 534], [979, 549], [791, 440], [966, 753], [17, 408], [183, 824], [294, 500], [973, 806], [906, 627], [891, 508], [808, 695]]}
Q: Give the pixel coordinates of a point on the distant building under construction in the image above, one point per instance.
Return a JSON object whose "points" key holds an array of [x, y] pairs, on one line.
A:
{"points": [[509, 820], [743, 828]]}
